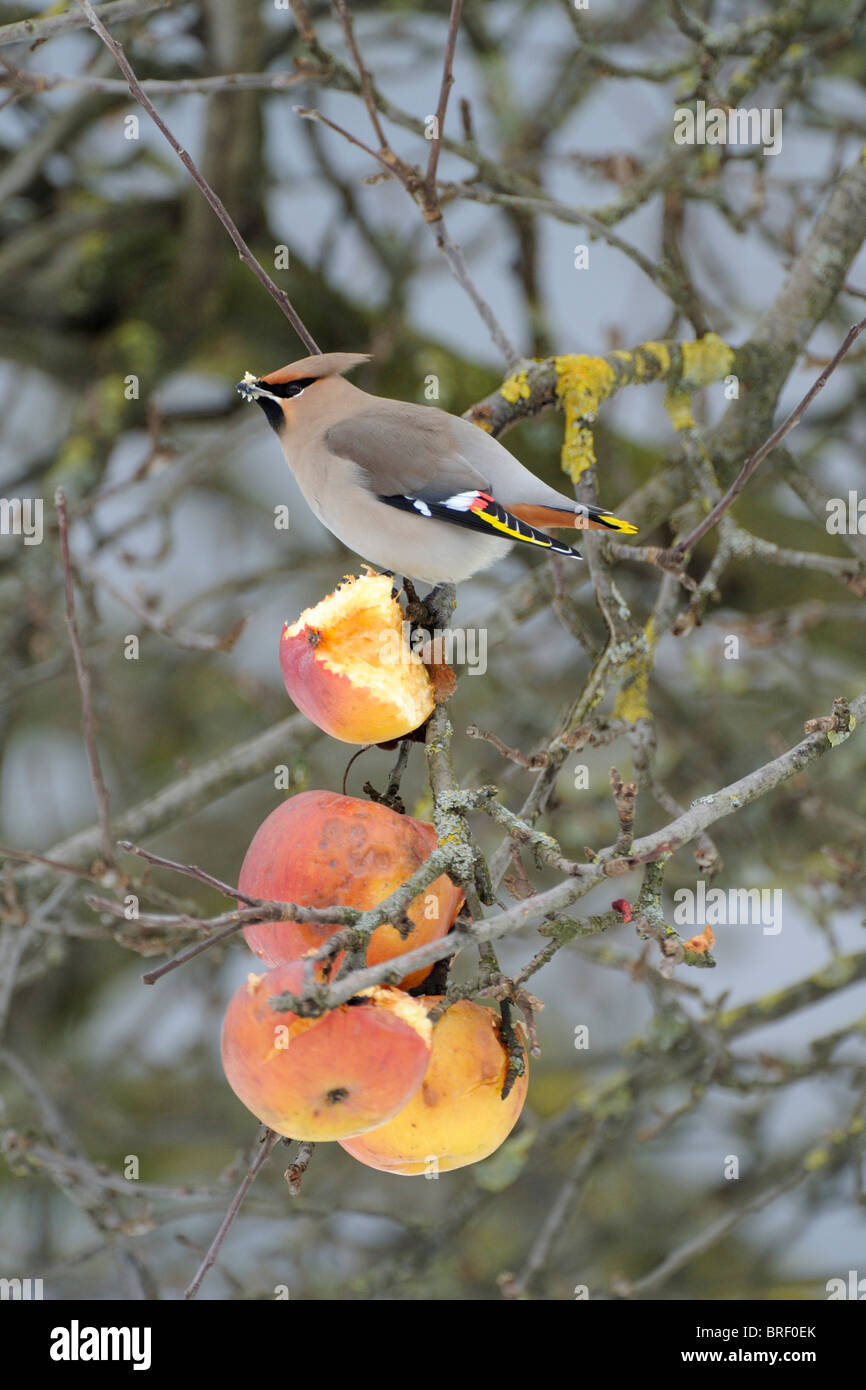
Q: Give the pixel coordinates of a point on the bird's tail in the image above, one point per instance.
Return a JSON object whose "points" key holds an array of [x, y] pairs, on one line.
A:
{"points": [[582, 517], [478, 511]]}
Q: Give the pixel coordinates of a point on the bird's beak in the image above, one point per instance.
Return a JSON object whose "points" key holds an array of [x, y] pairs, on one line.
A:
{"points": [[251, 389]]}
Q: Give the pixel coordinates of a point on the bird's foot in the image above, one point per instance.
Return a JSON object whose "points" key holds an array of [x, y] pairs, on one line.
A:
{"points": [[417, 611], [440, 604], [434, 610]]}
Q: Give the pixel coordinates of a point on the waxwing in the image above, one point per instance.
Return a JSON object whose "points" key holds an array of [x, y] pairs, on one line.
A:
{"points": [[414, 490]]}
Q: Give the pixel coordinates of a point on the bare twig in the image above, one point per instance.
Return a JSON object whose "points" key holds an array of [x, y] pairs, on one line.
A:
{"points": [[81, 671], [265, 1144], [553, 902], [157, 86], [151, 976], [709, 1236], [421, 190], [562, 1206], [37, 30], [280, 298], [191, 871], [298, 1167], [360, 924], [660, 275], [689, 542], [514, 755], [224, 925], [29, 857], [348, 28], [233, 768], [624, 795], [459, 269], [444, 91], [165, 626]]}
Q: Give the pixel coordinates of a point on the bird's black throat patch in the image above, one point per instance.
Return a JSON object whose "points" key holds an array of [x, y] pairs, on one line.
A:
{"points": [[273, 413]]}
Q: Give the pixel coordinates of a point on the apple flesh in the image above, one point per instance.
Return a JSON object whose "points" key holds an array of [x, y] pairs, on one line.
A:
{"points": [[320, 849], [457, 1116], [328, 1077], [348, 668]]}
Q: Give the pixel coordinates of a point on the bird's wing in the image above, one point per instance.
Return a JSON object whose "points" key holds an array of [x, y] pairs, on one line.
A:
{"points": [[412, 461], [406, 448]]}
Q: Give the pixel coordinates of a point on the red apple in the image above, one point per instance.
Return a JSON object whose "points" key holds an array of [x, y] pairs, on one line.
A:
{"points": [[348, 667], [320, 849], [327, 1077]]}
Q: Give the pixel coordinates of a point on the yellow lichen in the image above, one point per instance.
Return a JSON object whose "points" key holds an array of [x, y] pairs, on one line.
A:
{"points": [[652, 354], [678, 405], [515, 388], [582, 383], [631, 702], [705, 359]]}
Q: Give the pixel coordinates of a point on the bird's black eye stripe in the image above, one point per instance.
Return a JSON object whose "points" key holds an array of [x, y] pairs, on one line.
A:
{"points": [[286, 389]]}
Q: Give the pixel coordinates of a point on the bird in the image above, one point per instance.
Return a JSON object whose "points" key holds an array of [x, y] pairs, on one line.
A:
{"points": [[411, 489]]}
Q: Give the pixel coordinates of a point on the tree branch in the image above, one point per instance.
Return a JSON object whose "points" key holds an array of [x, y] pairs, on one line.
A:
{"points": [[280, 298], [87, 723], [677, 551]]}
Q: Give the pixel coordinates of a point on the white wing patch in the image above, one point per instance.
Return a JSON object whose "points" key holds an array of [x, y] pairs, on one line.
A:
{"points": [[419, 506], [461, 501]]}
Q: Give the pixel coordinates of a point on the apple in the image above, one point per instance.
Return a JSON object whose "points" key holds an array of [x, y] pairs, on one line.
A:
{"points": [[329, 1077], [320, 849], [348, 667], [457, 1116]]}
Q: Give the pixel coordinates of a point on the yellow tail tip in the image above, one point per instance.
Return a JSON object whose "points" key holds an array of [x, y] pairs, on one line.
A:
{"points": [[616, 523]]}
